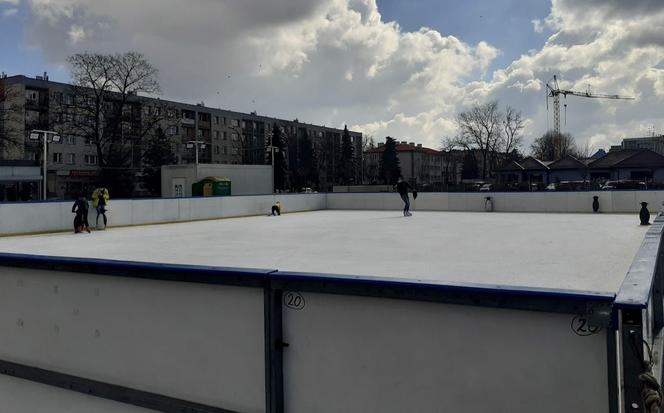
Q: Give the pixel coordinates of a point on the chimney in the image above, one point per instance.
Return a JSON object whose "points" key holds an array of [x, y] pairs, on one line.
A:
{"points": [[45, 76], [412, 143], [404, 142], [419, 145], [381, 144]]}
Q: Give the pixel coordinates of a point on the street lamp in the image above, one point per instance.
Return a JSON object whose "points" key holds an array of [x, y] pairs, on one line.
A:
{"points": [[196, 144], [273, 149], [47, 137]]}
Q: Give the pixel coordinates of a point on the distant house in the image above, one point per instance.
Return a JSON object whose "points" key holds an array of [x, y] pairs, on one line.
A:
{"points": [[641, 165], [569, 168]]}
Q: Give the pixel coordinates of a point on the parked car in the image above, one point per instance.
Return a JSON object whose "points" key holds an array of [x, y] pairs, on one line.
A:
{"points": [[624, 184], [550, 187], [486, 188]]}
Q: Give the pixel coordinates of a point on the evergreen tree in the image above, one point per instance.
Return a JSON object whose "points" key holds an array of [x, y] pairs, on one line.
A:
{"points": [[307, 170], [158, 152], [390, 168], [470, 168], [280, 168], [347, 158]]}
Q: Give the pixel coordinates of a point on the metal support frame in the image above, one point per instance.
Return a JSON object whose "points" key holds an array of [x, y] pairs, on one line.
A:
{"points": [[104, 390], [274, 345], [639, 316], [631, 333]]}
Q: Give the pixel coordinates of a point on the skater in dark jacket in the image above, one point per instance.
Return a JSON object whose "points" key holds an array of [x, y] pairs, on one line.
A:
{"points": [[402, 189], [80, 208]]}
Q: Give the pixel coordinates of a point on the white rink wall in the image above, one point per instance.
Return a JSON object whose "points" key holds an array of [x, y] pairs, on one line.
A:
{"points": [[570, 202], [25, 218]]}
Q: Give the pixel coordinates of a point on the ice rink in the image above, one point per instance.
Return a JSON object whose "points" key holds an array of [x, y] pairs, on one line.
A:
{"points": [[582, 252]]}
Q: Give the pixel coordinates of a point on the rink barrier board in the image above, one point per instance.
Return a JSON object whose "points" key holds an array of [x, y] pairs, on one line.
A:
{"points": [[56, 216], [274, 284]]}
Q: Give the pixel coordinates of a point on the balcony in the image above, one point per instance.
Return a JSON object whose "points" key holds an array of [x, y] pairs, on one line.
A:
{"points": [[187, 121]]}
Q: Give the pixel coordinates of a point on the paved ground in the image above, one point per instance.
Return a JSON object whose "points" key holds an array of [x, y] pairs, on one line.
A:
{"points": [[570, 251]]}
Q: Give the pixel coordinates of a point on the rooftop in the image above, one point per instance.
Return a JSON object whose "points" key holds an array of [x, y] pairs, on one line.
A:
{"points": [[579, 252]]}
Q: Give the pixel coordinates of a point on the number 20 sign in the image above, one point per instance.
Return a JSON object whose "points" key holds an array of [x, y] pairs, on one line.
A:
{"points": [[293, 300], [581, 327]]}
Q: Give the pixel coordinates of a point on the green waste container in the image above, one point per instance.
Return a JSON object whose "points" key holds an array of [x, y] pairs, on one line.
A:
{"points": [[212, 186]]}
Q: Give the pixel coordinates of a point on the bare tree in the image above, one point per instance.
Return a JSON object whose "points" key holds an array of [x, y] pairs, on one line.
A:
{"points": [[480, 128], [450, 152], [552, 146], [103, 106], [11, 120], [513, 125]]}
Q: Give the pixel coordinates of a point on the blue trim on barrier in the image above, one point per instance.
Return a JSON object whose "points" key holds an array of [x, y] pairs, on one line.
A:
{"points": [[265, 274], [134, 265], [531, 292], [635, 291]]}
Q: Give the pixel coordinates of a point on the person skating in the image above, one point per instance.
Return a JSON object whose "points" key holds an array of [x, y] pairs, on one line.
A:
{"points": [[100, 202], [402, 189], [80, 208]]}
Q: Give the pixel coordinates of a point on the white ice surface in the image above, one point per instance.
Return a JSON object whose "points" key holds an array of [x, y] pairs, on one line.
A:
{"points": [[583, 252]]}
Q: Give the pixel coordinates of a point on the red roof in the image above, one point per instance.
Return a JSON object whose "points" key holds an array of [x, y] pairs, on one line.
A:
{"points": [[401, 147]]}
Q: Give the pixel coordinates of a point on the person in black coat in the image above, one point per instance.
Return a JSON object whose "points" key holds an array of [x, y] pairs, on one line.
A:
{"points": [[80, 208], [402, 189]]}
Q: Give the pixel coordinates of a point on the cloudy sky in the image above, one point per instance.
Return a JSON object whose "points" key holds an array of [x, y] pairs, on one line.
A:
{"points": [[384, 67]]}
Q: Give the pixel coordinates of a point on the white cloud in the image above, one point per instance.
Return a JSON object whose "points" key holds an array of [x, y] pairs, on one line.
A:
{"points": [[336, 61], [10, 12], [12, 2]]}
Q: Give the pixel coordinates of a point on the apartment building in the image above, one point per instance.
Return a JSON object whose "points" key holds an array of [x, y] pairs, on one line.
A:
{"points": [[227, 137], [652, 143], [420, 165]]}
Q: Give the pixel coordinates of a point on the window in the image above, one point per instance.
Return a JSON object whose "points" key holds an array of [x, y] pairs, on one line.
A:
{"points": [[173, 130], [57, 157], [235, 122], [216, 134], [234, 151], [216, 120], [69, 99], [223, 121], [71, 158], [70, 140], [216, 150], [31, 95], [225, 136], [234, 137], [225, 150], [91, 159], [89, 141], [31, 156]]}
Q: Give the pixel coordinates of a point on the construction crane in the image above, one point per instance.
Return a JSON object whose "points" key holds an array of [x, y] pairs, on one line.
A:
{"points": [[553, 91]]}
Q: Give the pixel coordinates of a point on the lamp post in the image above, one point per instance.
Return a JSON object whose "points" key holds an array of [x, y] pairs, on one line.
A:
{"points": [[47, 137], [273, 149], [196, 144]]}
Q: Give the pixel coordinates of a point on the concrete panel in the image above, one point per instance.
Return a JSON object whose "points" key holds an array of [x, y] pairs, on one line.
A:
{"points": [[457, 202], [196, 342], [22, 396], [583, 201], [184, 207], [625, 201], [118, 213], [427, 201], [167, 210], [142, 212], [379, 355]]}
